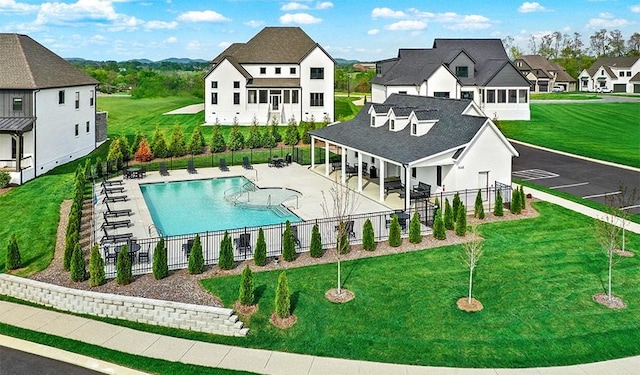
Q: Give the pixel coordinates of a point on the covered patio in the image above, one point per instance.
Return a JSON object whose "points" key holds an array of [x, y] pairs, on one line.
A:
{"points": [[12, 147]]}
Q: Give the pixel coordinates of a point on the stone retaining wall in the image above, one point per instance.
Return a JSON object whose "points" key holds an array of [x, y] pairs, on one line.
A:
{"points": [[186, 316]]}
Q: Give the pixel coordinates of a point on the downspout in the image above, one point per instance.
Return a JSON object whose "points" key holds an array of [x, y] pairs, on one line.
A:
{"points": [[35, 138]]}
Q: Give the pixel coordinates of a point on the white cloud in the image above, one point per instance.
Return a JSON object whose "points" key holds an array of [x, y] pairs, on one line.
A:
{"points": [[254, 23], [159, 25], [202, 16], [606, 15], [299, 18], [529, 7], [293, 6], [455, 21], [82, 10], [635, 8], [193, 45], [387, 13], [407, 25], [224, 44], [10, 6], [324, 5], [607, 22], [373, 32], [171, 40]]}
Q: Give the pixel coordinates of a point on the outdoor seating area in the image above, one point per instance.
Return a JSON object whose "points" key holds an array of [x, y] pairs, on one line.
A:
{"points": [[243, 243], [278, 162], [111, 251], [134, 172], [111, 221]]}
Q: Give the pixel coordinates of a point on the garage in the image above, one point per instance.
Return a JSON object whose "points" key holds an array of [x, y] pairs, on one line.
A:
{"points": [[636, 88], [619, 87]]}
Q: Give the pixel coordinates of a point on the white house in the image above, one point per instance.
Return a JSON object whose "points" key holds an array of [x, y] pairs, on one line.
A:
{"points": [[447, 143], [47, 109], [281, 74], [543, 74], [617, 74], [476, 69]]}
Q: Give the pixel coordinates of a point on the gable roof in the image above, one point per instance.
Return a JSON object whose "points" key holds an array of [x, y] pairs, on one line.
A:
{"points": [[26, 64], [609, 62], [545, 67], [453, 129]]}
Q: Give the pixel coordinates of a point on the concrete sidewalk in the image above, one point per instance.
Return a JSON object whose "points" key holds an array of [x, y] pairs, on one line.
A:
{"points": [[223, 356]]}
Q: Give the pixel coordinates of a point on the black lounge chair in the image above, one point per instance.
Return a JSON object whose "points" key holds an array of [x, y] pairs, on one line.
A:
{"points": [[115, 237], [113, 198], [115, 224], [223, 165], [348, 228], [245, 163], [144, 254], [393, 186], [191, 168], [112, 189], [162, 167], [243, 243], [116, 213], [294, 231], [187, 247], [106, 182], [336, 165], [351, 170]]}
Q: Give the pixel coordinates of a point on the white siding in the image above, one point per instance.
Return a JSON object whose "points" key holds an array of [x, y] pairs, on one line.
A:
{"points": [[316, 59], [225, 75]]}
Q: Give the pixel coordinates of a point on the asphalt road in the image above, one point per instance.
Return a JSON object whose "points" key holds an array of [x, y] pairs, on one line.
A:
{"points": [[582, 178], [15, 362]]}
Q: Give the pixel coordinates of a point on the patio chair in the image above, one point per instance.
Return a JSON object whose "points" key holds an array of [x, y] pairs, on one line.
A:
{"points": [[351, 170], [106, 182], [109, 255], [115, 224], [245, 163], [144, 254], [393, 186], [294, 231], [162, 167], [348, 228], [113, 198], [191, 168], [143, 172], [243, 243], [223, 165], [133, 247], [422, 190], [115, 237], [112, 189], [116, 213], [186, 247]]}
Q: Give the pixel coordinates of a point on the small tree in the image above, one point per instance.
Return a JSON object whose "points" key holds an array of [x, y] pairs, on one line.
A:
{"points": [[159, 144], [70, 245], [461, 223], [395, 232], [160, 261], [96, 267], [124, 148], [315, 248], [255, 138], [143, 154], [456, 205], [217, 140], [114, 156], [177, 146], [236, 139], [439, 231], [78, 269], [415, 231], [478, 209], [268, 139], [196, 142], [498, 209], [136, 142], [225, 260], [291, 136], [246, 293], [196, 259], [448, 215], [260, 255], [283, 298], [368, 237], [99, 167], [344, 246], [515, 202], [523, 198], [288, 244], [275, 129], [124, 274], [13, 254], [472, 253]]}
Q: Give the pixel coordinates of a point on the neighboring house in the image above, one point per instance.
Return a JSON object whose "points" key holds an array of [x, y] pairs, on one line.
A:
{"points": [[544, 75], [446, 143], [617, 74], [476, 69], [47, 109], [281, 74]]}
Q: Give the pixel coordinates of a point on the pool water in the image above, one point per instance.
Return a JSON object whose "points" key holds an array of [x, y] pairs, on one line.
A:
{"points": [[184, 207]]}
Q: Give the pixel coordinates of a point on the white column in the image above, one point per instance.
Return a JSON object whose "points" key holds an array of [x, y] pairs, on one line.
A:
{"points": [[343, 177], [381, 176], [359, 172], [326, 158], [313, 153], [407, 187]]}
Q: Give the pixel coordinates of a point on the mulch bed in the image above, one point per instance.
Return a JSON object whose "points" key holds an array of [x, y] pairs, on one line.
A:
{"points": [[283, 323], [342, 297], [612, 303], [474, 306]]}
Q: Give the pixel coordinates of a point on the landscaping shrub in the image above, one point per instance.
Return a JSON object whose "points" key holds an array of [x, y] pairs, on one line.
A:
{"points": [[288, 244], [343, 245], [236, 139], [87, 169], [114, 156], [124, 148], [160, 262], [315, 249], [523, 198], [368, 237], [439, 231], [143, 154], [283, 298], [478, 210], [196, 142], [13, 254], [99, 167], [275, 130], [260, 255], [246, 294], [70, 244], [217, 140], [196, 259], [515, 207], [415, 233], [136, 143], [159, 144], [5, 178], [225, 261], [306, 128], [254, 140], [498, 209], [461, 223], [291, 136], [395, 238], [96, 267], [456, 205], [124, 274], [448, 215], [78, 269], [177, 145], [268, 139]]}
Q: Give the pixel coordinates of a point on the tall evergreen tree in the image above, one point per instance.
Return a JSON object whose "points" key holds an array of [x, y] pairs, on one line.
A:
{"points": [[96, 267], [254, 140], [78, 269], [515, 202], [523, 198], [159, 144], [268, 140], [291, 136], [478, 211], [498, 209], [225, 260], [70, 244], [439, 231], [124, 274], [217, 140], [448, 215], [177, 145], [283, 298], [455, 205], [260, 255], [368, 236], [13, 254], [196, 142], [415, 232], [315, 249], [236, 139], [246, 293], [395, 232], [196, 259], [160, 261], [461, 223], [288, 244]]}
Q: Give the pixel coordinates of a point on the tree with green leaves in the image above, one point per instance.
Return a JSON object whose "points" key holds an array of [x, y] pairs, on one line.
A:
{"points": [[478, 210], [260, 254], [99, 167], [177, 145], [305, 128], [291, 135], [196, 142], [461, 223], [315, 248], [283, 298], [268, 139], [236, 139], [96, 267], [225, 260], [515, 207], [70, 244], [13, 254], [159, 144], [415, 229], [439, 231], [523, 198], [160, 261], [254, 140], [124, 274], [448, 215], [217, 140], [196, 259], [136, 142], [455, 205], [246, 294], [114, 156], [498, 209], [78, 269], [368, 236], [124, 147], [395, 232], [275, 129], [288, 244]]}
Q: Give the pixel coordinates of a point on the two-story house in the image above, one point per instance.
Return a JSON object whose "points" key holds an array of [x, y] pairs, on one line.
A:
{"points": [[281, 74], [476, 69], [617, 74], [544, 75], [47, 109]]}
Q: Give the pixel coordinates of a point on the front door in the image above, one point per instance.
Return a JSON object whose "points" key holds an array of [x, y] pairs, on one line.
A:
{"points": [[275, 102]]}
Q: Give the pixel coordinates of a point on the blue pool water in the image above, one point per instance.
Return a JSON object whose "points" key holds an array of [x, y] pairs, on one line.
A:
{"points": [[184, 207]]}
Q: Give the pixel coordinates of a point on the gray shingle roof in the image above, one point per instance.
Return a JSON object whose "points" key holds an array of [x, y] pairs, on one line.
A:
{"points": [[618, 62], [452, 130], [26, 64], [274, 82], [540, 62]]}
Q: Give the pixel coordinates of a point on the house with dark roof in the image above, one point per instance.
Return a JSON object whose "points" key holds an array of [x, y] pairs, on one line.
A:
{"points": [[278, 75], [544, 75], [617, 74], [47, 109], [449, 144], [476, 69]]}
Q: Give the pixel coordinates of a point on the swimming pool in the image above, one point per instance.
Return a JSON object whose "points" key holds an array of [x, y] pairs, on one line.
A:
{"points": [[184, 207]]}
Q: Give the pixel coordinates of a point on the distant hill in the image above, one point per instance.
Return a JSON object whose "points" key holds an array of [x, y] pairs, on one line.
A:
{"points": [[173, 60], [184, 60]]}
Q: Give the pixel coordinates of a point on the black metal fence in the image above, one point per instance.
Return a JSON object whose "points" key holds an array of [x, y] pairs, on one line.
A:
{"points": [[468, 197]]}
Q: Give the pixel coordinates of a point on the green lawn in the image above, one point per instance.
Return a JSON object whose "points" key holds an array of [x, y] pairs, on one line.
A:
{"points": [[536, 290], [345, 109], [604, 131], [568, 95]]}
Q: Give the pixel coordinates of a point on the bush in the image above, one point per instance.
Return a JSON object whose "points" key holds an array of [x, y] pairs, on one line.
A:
{"points": [[415, 230], [498, 209], [225, 261], [96, 267], [124, 148], [254, 140], [291, 136], [275, 130], [217, 140], [478, 210], [305, 128], [523, 198], [343, 245], [315, 248], [160, 262], [99, 167], [177, 146], [515, 202], [114, 156], [196, 142], [13, 254], [124, 275], [283, 299], [5, 178], [439, 231], [395, 238], [456, 205], [159, 144], [368, 237], [260, 255], [143, 154], [246, 294], [78, 270], [461, 223], [448, 215], [236, 139], [268, 139], [196, 259], [288, 244], [136, 142], [70, 245]]}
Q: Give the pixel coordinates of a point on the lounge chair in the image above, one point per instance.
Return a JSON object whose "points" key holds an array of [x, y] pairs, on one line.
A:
{"points": [[112, 189], [223, 165], [243, 243], [336, 165], [162, 167], [115, 237], [191, 168], [106, 182], [294, 231], [351, 170], [113, 198], [186, 247], [348, 228], [115, 224], [116, 213], [245, 163]]}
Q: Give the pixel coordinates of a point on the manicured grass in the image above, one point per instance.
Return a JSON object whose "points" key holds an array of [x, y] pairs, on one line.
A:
{"points": [[570, 95], [345, 109], [604, 131], [536, 281]]}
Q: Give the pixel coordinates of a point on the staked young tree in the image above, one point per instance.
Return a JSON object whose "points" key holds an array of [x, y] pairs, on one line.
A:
{"points": [[260, 255], [472, 253]]}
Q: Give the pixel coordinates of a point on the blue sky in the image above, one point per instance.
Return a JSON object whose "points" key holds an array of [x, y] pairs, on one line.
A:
{"points": [[352, 29]]}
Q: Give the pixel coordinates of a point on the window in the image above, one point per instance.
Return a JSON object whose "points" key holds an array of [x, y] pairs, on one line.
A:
{"points": [[317, 99], [253, 98], [462, 71], [466, 95], [378, 69], [214, 84], [214, 98], [287, 96], [317, 73], [294, 97], [491, 96], [373, 120], [602, 72], [61, 97], [263, 70], [236, 84], [402, 92], [91, 98], [414, 172], [414, 130], [441, 94], [88, 127], [439, 175], [262, 96], [77, 129], [392, 124], [236, 98], [14, 148], [502, 96], [621, 74], [278, 70], [513, 96], [292, 70], [629, 74], [17, 104], [77, 100], [522, 96]]}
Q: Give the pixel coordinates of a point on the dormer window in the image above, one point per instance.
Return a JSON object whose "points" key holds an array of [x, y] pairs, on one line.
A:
{"points": [[392, 124], [462, 71], [414, 129], [373, 121]]}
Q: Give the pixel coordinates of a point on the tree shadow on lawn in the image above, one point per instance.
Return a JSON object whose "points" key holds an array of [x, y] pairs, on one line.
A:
{"points": [[352, 265], [258, 292]]}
